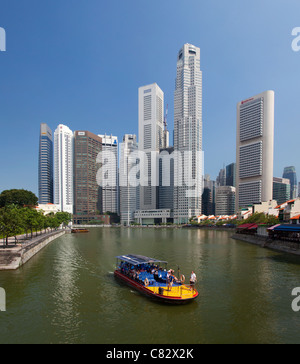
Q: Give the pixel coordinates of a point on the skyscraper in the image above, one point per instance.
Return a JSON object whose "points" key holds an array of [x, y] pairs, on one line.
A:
{"points": [[151, 132], [110, 185], [87, 146], [290, 173], [188, 135], [255, 149], [45, 165], [230, 174], [63, 168], [129, 192]]}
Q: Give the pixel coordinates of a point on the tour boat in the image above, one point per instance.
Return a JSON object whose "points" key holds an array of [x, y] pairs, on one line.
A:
{"points": [[75, 231], [149, 277]]}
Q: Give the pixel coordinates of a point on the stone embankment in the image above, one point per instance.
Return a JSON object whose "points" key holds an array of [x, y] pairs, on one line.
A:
{"points": [[266, 242], [14, 256]]}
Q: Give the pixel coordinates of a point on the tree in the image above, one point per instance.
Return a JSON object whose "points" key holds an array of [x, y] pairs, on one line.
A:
{"points": [[10, 221], [18, 197], [63, 217], [30, 219]]}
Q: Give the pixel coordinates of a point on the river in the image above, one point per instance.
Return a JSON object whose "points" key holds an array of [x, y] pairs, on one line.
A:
{"points": [[67, 293]]}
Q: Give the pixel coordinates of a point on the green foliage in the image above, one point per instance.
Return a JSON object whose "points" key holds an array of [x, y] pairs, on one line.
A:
{"points": [[18, 197], [260, 218], [15, 220]]}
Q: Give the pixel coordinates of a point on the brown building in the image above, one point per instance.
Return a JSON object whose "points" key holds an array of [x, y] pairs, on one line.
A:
{"points": [[87, 199]]}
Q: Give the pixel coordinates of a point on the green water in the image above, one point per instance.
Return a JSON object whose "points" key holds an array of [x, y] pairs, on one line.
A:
{"points": [[67, 293]]}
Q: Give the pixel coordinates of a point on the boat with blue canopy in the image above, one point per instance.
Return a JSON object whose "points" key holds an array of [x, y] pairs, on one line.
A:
{"points": [[151, 277]]}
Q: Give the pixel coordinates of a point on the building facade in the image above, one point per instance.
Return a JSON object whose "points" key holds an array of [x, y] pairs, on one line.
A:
{"points": [[290, 174], [45, 165], [281, 190], [166, 179], [225, 200], [151, 139], [129, 190], [63, 168], [87, 147], [188, 135], [110, 184], [255, 149]]}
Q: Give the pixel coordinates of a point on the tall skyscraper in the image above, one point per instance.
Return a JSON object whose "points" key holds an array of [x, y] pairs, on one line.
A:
{"points": [[290, 173], [188, 135], [151, 132], [166, 180], [45, 165], [87, 146], [255, 150], [230, 174], [110, 186], [63, 168], [129, 192]]}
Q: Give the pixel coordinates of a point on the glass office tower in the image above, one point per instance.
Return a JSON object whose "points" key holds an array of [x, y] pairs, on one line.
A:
{"points": [[45, 165]]}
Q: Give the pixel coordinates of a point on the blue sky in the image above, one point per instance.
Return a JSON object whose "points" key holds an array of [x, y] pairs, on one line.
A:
{"points": [[81, 62]]}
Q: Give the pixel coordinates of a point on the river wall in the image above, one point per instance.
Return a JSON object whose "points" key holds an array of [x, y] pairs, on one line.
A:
{"points": [[265, 242], [14, 258]]}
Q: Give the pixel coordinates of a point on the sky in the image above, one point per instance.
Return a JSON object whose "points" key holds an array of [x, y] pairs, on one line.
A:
{"points": [[80, 63]]}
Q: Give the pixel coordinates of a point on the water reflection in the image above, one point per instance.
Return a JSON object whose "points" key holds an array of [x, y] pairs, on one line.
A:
{"points": [[69, 293]]}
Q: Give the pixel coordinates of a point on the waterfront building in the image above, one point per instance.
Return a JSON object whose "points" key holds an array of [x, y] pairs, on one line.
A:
{"points": [[87, 147], [254, 150], [188, 173], [48, 208], [152, 217], [63, 168], [45, 165], [290, 173], [110, 183], [281, 189], [151, 139], [129, 192], [225, 200]]}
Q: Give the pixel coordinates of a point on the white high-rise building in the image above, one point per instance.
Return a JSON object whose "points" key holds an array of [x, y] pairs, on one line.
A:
{"points": [[63, 168], [255, 150], [129, 191], [188, 135], [151, 132], [110, 187]]}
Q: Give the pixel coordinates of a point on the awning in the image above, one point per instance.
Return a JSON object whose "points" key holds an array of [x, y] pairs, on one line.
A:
{"points": [[248, 226], [288, 228], [138, 259], [273, 227]]}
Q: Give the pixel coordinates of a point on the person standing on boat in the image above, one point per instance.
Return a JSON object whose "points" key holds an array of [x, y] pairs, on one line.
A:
{"points": [[193, 280]]}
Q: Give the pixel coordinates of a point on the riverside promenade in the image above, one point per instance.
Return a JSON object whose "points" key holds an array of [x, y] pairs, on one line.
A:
{"points": [[13, 256]]}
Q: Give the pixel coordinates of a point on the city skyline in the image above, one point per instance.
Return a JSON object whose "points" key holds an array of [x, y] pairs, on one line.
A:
{"points": [[78, 88]]}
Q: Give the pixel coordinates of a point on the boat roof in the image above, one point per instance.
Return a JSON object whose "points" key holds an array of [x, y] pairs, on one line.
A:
{"points": [[138, 259]]}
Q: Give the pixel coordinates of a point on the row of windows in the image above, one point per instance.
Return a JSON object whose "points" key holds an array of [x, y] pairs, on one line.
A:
{"points": [[251, 160], [249, 193]]}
